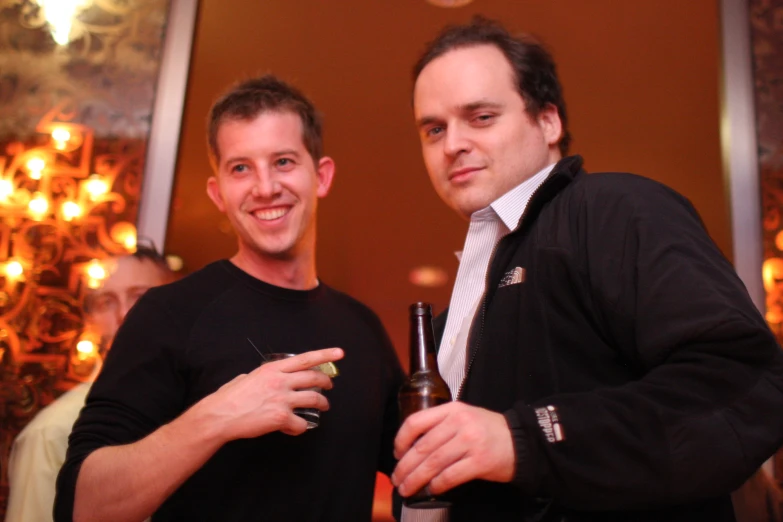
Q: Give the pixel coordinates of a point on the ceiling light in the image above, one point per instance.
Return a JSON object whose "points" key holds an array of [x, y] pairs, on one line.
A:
{"points": [[449, 3], [428, 276]]}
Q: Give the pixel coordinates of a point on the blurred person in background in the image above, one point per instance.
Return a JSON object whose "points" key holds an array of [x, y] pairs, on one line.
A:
{"points": [[38, 452]]}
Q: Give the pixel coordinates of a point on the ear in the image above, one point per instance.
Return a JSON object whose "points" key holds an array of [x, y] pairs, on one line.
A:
{"points": [[325, 175], [550, 123], [213, 191]]}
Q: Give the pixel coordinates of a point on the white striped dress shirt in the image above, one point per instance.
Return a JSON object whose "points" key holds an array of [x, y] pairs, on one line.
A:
{"points": [[487, 228]]}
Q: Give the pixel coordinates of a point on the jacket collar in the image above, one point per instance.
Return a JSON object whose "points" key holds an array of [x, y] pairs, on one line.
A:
{"points": [[565, 171]]}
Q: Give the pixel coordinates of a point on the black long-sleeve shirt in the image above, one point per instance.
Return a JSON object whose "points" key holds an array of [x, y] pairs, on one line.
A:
{"points": [[183, 341]]}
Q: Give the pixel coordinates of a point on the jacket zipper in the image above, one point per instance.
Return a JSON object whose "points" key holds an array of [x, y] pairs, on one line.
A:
{"points": [[486, 292]]}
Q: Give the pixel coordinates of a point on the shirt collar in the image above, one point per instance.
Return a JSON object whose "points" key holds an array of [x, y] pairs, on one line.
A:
{"points": [[510, 206]]}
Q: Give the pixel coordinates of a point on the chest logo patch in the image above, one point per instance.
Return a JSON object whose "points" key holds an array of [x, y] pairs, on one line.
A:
{"points": [[513, 277]]}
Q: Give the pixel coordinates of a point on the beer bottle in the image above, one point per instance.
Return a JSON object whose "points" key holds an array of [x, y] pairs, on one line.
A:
{"points": [[425, 387]]}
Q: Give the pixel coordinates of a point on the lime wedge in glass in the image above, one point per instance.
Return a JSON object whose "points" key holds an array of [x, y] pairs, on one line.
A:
{"points": [[329, 369]]}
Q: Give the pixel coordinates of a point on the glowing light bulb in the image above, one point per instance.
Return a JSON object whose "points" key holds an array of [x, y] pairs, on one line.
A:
{"points": [[60, 137], [14, 269], [428, 276], [94, 283], [35, 166], [96, 186], [6, 189], [175, 263], [60, 15], [38, 204], [96, 270], [124, 233], [71, 210], [60, 134], [85, 346]]}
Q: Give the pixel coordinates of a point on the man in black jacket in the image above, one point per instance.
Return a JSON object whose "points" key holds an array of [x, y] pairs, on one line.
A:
{"points": [[607, 361]]}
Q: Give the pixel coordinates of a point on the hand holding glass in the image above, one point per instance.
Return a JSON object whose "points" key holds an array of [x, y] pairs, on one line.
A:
{"points": [[311, 415]]}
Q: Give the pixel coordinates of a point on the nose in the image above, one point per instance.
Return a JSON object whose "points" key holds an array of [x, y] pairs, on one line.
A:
{"points": [[121, 312], [456, 141], [267, 185]]}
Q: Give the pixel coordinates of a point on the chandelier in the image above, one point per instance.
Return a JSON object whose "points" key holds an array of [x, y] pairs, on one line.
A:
{"points": [[59, 220], [60, 16]]}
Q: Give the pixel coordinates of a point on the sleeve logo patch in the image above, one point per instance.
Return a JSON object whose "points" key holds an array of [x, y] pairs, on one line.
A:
{"points": [[549, 421]]}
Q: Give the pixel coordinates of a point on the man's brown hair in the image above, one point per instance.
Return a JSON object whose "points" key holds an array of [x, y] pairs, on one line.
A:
{"points": [[248, 99]]}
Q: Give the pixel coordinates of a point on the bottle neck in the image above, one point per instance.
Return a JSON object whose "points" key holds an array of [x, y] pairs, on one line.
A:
{"points": [[423, 356]]}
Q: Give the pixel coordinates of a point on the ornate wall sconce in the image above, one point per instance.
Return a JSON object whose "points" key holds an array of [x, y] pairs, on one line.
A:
{"points": [[62, 211]]}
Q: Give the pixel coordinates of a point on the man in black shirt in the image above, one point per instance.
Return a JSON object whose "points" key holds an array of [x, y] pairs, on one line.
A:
{"points": [[184, 423]]}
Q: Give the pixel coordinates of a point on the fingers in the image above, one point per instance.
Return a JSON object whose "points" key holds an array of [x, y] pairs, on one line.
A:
{"points": [[418, 424], [309, 399], [295, 425], [435, 469], [429, 455], [459, 472], [457, 444], [308, 379], [307, 360]]}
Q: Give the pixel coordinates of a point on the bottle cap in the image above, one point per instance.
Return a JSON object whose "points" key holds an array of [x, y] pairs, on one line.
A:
{"points": [[421, 308]]}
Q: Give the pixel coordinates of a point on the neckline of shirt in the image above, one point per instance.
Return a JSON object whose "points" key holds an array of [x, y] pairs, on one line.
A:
{"points": [[506, 208], [275, 291]]}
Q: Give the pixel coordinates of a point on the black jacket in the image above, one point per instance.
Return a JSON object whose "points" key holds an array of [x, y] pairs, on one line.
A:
{"points": [[639, 380]]}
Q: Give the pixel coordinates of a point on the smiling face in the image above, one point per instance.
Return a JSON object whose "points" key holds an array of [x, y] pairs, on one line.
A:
{"points": [[477, 140], [268, 185]]}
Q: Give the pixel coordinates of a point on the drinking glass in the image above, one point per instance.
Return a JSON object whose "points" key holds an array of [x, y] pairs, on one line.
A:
{"points": [[311, 415]]}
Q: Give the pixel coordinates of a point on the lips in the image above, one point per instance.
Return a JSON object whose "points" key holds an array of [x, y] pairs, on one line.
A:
{"points": [[462, 174]]}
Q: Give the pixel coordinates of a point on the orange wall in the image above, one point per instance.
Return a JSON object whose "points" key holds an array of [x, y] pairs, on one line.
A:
{"points": [[641, 80]]}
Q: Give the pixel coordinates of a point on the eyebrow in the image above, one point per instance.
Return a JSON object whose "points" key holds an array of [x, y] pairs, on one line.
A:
{"points": [[466, 108], [482, 104], [286, 152], [236, 159]]}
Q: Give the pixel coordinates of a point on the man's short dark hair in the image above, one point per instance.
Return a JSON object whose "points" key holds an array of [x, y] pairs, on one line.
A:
{"points": [[248, 99], [534, 69]]}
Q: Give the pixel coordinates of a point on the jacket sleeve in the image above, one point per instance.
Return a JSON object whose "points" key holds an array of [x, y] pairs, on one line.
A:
{"points": [[139, 389], [705, 410]]}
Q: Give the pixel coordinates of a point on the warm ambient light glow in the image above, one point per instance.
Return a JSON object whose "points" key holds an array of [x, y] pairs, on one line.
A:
{"points": [[35, 166], [60, 15], [6, 189], [96, 270], [38, 204], [60, 137], [71, 210], [85, 346], [124, 233], [175, 263], [772, 273], [428, 276], [449, 3], [13, 269], [96, 186], [60, 134]]}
